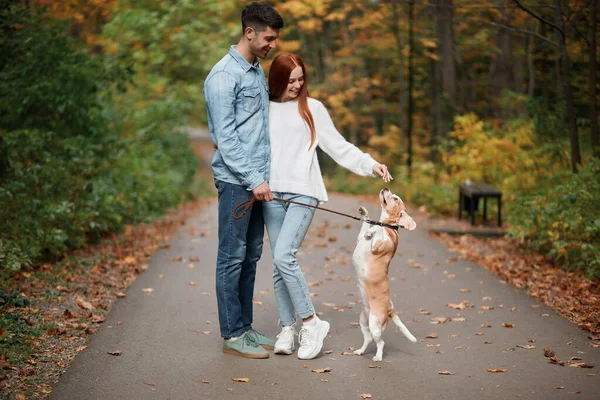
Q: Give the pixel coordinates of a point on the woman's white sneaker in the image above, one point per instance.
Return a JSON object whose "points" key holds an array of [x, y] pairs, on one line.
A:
{"points": [[285, 341], [311, 339]]}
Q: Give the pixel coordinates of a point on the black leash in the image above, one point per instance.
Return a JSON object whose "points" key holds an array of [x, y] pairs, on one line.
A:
{"points": [[250, 202]]}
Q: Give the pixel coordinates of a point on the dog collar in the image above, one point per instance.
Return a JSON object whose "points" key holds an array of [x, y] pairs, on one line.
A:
{"points": [[394, 227]]}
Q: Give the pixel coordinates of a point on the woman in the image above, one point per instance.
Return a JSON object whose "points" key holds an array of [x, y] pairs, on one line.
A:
{"points": [[297, 125]]}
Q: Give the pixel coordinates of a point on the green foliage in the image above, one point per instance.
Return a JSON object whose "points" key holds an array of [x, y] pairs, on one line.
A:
{"points": [[79, 159], [171, 46], [44, 83], [563, 221]]}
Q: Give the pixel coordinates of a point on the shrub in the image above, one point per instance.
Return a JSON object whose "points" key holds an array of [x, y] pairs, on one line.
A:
{"points": [[562, 221]]}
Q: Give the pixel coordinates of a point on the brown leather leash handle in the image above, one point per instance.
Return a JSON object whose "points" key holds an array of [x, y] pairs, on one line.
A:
{"points": [[249, 203]]}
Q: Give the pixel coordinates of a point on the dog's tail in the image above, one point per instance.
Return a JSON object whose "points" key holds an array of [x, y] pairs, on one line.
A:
{"points": [[394, 316]]}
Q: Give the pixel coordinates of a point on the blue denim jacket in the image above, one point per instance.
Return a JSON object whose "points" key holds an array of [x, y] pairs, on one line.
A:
{"points": [[237, 102]]}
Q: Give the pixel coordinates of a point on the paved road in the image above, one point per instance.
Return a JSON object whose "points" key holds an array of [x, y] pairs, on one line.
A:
{"points": [[171, 347]]}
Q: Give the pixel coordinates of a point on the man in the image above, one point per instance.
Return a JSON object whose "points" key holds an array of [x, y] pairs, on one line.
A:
{"points": [[237, 102]]}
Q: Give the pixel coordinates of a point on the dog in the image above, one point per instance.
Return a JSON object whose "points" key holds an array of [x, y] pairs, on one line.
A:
{"points": [[375, 248]]}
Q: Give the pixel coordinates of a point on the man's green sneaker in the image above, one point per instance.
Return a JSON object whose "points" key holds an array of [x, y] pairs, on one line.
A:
{"points": [[244, 346], [265, 342]]}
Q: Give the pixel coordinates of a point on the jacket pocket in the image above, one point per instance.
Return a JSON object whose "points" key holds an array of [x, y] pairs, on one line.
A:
{"points": [[251, 100]]}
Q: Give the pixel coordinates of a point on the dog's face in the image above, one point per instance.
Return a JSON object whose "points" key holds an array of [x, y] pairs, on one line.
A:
{"points": [[392, 207]]}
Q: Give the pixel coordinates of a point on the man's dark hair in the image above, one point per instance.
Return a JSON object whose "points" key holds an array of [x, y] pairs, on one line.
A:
{"points": [[259, 15]]}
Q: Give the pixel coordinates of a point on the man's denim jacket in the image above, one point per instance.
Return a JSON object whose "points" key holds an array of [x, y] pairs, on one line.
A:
{"points": [[237, 102]]}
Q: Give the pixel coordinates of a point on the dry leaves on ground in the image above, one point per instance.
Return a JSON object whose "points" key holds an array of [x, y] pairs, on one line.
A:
{"points": [[322, 370], [92, 290], [568, 292]]}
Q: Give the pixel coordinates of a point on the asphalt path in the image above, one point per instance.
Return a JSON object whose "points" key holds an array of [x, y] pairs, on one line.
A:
{"points": [[167, 332]]}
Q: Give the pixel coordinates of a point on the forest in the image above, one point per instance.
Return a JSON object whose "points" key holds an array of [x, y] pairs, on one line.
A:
{"points": [[502, 92]]}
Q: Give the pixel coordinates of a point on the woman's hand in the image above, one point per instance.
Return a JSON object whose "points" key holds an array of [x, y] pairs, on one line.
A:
{"points": [[381, 170]]}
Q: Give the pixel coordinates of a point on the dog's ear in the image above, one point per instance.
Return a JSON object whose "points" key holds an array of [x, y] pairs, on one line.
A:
{"points": [[406, 221]]}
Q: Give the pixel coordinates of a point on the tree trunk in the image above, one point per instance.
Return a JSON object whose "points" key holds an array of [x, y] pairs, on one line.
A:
{"points": [[438, 127], [409, 128], [445, 36], [593, 81], [531, 72], [402, 92], [572, 122], [502, 75]]}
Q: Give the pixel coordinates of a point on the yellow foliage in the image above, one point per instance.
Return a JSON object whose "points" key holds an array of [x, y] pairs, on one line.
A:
{"points": [[505, 158]]}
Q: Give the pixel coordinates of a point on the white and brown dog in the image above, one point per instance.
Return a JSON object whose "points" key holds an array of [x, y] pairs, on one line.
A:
{"points": [[375, 248]]}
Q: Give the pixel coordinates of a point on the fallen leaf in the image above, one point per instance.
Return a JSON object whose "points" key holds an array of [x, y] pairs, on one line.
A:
{"points": [[497, 370], [465, 290], [439, 320], [229, 389], [328, 351], [257, 302], [375, 366], [514, 309], [191, 265], [433, 345], [86, 305], [114, 353], [527, 346], [121, 295], [130, 260], [479, 333], [487, 342], [445, 372], [240, 379], [457, 319], [594, 374], [365, 396], [460, 306], [345, 353], [322, 370], [423, 311], [205, 381], [431, 336], [579, 365], [148, 290], [485, 325], [559, 387], [507, 325], [549, 353], [192, 283], [324, 380]]}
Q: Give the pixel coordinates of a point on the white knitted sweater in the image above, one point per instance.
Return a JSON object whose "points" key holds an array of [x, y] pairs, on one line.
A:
{"points": [[294, 166]]}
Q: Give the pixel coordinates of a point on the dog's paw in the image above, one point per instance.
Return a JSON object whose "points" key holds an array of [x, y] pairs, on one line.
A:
{"points": [[377, 358], [363, 212], [359, 352]]}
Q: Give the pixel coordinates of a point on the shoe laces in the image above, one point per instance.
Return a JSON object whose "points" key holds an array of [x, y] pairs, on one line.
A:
{"points": [[249, 340], [304, 337], [287, 329]]}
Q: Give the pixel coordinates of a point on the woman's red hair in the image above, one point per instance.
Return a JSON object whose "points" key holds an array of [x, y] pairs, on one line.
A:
{"points": [[279, 75]]}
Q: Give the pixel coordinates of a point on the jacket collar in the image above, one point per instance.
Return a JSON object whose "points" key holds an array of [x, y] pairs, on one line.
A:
{"points": [[246, 66]]}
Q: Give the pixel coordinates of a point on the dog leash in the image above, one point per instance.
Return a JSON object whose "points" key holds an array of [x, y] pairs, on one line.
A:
{"points": [[250, 203]]}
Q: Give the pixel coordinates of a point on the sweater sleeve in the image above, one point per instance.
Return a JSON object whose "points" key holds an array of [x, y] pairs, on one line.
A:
{"points": [[337, 147]]}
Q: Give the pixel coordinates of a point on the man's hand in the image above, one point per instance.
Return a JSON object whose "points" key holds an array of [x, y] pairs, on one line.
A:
{"points": [[262, 192], [381, 170]]}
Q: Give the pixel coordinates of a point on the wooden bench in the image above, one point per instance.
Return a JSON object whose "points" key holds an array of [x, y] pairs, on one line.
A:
{"points": [[469, 194]]}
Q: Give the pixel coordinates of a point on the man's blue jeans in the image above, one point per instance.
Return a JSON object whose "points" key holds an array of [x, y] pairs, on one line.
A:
{"points": [[240, 247]]}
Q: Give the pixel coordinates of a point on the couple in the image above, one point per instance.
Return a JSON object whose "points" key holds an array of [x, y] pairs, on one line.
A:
{"points": [[265, 139]]}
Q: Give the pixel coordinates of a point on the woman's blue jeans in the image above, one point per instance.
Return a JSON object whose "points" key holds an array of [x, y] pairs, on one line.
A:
{"points": [[240, 247], [287, 225]]}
